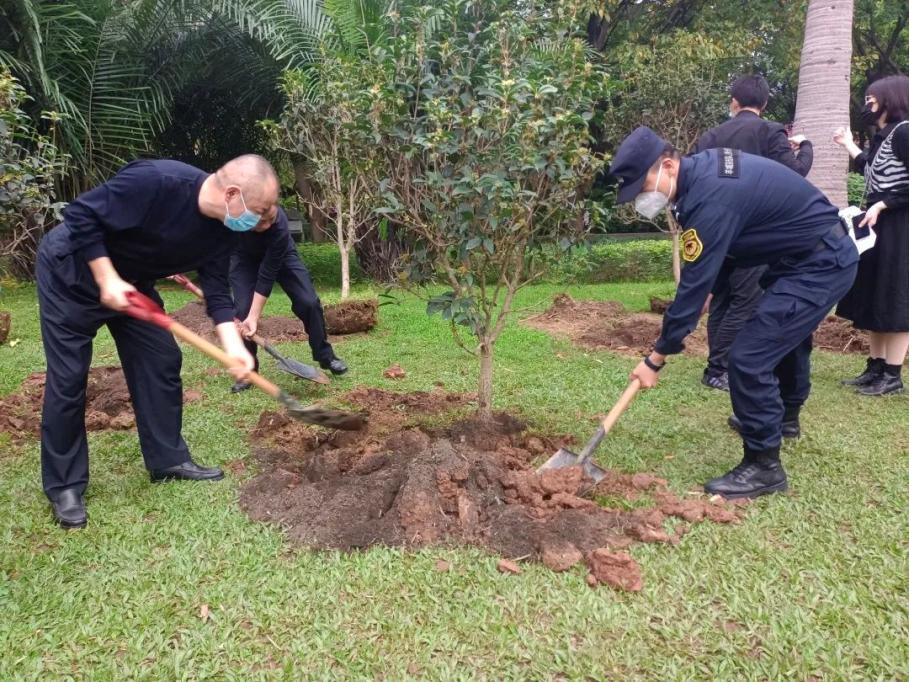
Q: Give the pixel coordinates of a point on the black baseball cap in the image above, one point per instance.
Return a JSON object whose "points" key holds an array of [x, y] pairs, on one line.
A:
{"points": [[634, 157]]}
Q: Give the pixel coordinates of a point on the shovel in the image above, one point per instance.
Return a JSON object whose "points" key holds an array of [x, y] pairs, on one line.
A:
{"points": [[295, 367], [143, 308], [564, 458]]}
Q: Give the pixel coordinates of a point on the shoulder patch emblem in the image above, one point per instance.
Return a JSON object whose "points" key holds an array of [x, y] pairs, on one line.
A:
{"points": [[691, 245]]}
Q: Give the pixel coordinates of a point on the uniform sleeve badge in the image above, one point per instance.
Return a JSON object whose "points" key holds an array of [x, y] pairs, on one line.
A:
{"points": [[691, 245]]}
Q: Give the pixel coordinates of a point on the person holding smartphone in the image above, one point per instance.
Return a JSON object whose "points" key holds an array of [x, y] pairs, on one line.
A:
{"points": [[879, 299]]}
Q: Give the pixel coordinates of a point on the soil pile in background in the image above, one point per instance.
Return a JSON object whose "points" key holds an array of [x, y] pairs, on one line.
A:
{"points": [[341, 318], [108, 405], [838, 335], [351, 317], [607, 325], [400, 483]]}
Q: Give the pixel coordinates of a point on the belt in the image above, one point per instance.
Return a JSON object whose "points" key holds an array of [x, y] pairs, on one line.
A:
{"points": [[838, 231]]}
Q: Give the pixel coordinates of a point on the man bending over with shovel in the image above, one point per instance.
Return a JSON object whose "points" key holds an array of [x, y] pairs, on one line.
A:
{"points": [[153, 218], [263, 256], [740, 210]]}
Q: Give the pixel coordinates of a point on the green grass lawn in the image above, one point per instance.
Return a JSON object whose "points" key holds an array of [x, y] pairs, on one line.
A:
{"points": [[812, 585]]}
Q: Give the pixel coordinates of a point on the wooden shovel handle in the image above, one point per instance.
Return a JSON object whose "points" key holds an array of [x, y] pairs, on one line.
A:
{"points": [[627, 396], [216, 353]]}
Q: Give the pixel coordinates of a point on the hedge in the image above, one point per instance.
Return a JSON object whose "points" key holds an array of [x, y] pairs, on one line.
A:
{"points": [[641, 260]]}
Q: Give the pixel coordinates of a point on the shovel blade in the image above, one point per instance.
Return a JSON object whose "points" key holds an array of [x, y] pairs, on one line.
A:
{"points": [[298, 369], [330, 419], [563, 459]]}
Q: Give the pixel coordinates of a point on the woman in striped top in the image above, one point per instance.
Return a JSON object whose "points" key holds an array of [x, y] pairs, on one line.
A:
{"points": [[879, 300]]}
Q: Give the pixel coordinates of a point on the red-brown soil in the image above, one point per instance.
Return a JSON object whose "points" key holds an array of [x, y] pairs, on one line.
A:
{"points": [[340, 318], [410, 483], [108, 405], [607, 325]]}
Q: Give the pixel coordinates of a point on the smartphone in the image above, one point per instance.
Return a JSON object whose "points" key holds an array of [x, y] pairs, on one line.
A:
{"points": [[860, 232]]}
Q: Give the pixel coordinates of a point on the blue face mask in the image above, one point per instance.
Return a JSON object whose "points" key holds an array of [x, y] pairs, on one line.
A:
{"points": [[244, 222]]}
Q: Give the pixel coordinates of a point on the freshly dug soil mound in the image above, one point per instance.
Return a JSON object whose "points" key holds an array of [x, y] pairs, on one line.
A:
{"points": [[838, 335], [341, 318], [473, 482], [659, 305], [607, 325], [350, 317], [108, 405], [5, 320], [275, 329]]}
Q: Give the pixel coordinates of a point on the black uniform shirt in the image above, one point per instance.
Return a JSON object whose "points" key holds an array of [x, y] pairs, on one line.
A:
{"points": [[755, 135], [750, 208], [269, 249], [146, 219]]}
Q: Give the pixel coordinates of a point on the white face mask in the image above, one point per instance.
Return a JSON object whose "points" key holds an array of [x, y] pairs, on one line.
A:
{"points": [[649, 204]]}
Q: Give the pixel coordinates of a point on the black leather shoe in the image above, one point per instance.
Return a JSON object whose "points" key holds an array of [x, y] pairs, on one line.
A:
{"points": [[188, 471], [750, 479], [885, 384], [874, 368], [718, 381], [240, 386], [69, 509], [335, 366], [791, 429]]}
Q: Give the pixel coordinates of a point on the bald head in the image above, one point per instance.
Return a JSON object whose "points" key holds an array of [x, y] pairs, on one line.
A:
{"points": [[250, 180]]}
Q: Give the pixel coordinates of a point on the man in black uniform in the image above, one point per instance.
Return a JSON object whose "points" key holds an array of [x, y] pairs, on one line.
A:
{"points": [[735, 300], [262, 257], [737, 209], [153, 218]]}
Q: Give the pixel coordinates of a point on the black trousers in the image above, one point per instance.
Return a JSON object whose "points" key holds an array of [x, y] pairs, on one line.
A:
{"points": [[770, 360], [734, 301], [297, 284], [71, 315]]}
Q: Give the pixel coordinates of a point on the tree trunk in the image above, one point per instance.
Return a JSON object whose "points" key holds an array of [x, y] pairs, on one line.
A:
{"points": [[484, 390], [676, 252], [345, 272], [823, 94], [314, 214]]}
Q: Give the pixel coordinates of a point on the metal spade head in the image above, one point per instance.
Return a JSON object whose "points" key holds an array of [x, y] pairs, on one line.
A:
{"points": [[330, 419], [563, 459], [291, 366]]}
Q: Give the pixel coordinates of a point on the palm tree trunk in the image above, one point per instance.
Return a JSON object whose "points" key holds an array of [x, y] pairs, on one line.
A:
{"points": [[823, 94]]}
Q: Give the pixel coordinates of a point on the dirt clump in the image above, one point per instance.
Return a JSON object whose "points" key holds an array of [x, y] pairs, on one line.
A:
{"points": [[400, 483], [5, 322], [607, 325], [107, 405], [351, 317], [838, 335], [659, 305]]}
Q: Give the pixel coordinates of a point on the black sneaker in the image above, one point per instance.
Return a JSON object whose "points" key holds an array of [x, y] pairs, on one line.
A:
{"points": [[885, 384], [240, 386], [718, 381], [750, 479], [874, 368], [335, 366], [791, 428]]}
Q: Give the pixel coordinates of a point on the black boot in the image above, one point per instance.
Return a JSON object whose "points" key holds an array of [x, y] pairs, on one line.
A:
{"points": [[759, 473], [69, 509], [791, 427], [335, 365], [188, 471], [874, 368], [889, 382]]}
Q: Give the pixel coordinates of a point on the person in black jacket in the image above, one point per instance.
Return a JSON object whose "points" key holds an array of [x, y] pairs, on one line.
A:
{"points": [[879, 300], [735, 298], [152, 219], [261, 258]]}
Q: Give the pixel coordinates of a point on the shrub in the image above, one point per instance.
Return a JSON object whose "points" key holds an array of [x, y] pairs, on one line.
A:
{"points": [[29, 162], [855, 187], [324, 263], [640, 260]]}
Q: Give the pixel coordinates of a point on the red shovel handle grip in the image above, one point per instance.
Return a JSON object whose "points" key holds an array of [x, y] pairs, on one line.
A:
{"points": [[187, 284], [143, 308]]}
